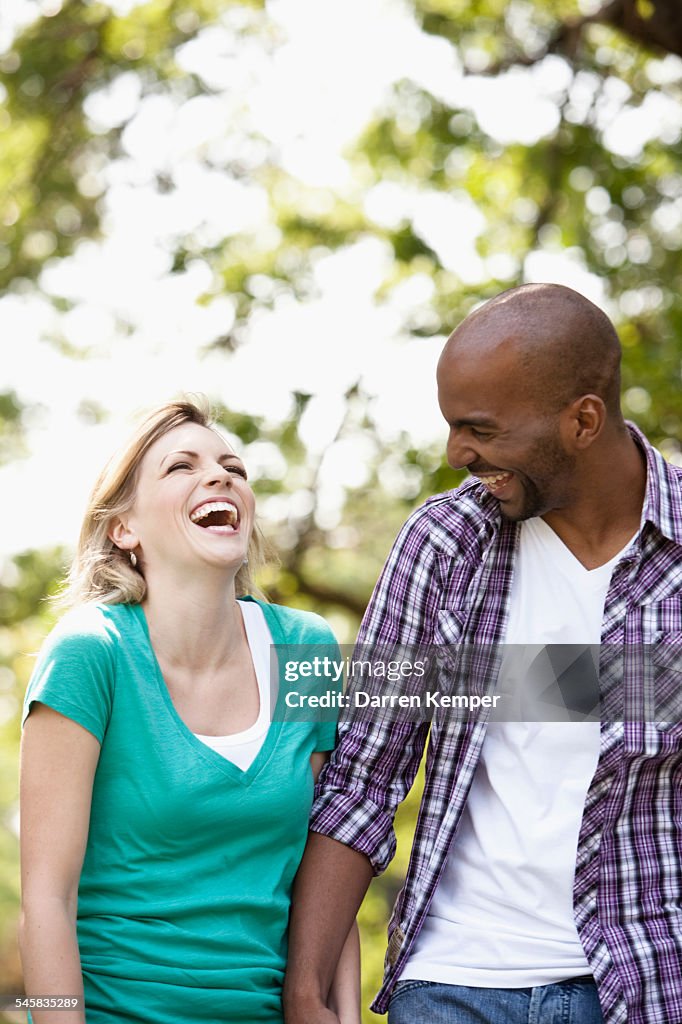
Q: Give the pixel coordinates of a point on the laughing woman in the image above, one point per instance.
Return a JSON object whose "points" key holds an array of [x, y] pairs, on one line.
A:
{"points": [[164, 809]]}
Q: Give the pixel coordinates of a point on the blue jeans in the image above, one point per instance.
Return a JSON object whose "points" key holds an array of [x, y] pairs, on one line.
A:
{"points": [[429, 1002]]}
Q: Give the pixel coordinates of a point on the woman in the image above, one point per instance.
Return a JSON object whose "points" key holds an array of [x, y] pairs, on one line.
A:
{"points": [[163, 814]]}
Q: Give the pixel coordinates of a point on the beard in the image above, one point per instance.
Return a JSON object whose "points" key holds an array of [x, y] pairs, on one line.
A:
{"points": [[541, 486]]}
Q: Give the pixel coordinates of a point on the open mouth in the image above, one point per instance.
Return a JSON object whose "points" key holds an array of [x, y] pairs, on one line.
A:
{"points": [[495, 482], [216, 517]]}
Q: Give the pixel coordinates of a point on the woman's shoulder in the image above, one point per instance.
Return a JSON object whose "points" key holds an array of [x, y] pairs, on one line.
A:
{"points": [[295, 625], [91, 626], [76, 669]]}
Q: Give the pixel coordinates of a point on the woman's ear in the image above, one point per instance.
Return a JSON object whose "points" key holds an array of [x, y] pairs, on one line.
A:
{"points": [[122, 535]]}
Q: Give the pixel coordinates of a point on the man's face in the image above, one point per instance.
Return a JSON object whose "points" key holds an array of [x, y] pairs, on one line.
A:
{"points": [[503, 437]]}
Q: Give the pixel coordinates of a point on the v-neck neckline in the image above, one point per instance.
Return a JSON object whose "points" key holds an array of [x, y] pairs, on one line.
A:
{"points": [[573, 564], [233, 771]]}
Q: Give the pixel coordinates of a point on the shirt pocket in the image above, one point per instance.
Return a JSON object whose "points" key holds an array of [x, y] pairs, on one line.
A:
{"points": [[666, 657], [658, 732]]}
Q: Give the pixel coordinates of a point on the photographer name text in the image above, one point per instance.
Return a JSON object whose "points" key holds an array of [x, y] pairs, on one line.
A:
{"points": [[362, 699]]}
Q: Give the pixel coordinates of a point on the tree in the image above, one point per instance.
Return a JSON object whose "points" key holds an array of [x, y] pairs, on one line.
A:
{"points": [[598, 183]]}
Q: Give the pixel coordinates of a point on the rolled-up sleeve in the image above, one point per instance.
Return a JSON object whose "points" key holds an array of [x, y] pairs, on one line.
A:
{"points": [[376, 759]]}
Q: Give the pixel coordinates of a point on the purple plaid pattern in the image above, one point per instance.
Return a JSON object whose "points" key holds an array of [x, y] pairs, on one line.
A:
{"points": [[448, 579]]}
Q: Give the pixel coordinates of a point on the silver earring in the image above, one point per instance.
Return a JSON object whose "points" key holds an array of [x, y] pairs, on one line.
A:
{"points": [[245, 561], [133, 559]]}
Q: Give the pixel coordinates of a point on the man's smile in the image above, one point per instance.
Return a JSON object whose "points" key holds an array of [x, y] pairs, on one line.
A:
{"points": [[495, 482]]}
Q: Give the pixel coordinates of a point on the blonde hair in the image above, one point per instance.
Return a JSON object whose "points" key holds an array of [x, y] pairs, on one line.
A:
{"points": [[100, 570]]}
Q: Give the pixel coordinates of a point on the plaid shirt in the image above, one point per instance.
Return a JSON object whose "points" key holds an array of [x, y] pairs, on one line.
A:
{"points": [[448, 580]]}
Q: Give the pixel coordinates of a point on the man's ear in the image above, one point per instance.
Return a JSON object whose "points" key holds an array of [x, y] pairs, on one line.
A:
{"points": [[585, 421], [122, 535]]}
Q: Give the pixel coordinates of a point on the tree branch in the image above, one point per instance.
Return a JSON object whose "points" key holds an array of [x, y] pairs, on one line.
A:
{"points": [[565, 41], [332, 595], [656, 24], [658, 27]]}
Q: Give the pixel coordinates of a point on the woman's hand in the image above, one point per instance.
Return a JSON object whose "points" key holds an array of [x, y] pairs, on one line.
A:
{"points": [[344, 997], [308, 1010]]}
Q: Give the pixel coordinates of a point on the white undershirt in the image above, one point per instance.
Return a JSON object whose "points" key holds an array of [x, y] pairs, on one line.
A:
{"points": [[242, 747], [502, 914]]}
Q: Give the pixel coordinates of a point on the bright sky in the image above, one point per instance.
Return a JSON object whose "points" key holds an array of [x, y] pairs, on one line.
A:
{"points": [[323, 345]]}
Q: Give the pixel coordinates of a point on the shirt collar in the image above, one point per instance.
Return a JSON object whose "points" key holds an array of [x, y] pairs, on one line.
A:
{"points": [[663, 496]]}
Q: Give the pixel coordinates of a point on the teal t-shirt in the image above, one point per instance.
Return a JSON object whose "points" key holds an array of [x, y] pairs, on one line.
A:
{"points": [[184, 894]]}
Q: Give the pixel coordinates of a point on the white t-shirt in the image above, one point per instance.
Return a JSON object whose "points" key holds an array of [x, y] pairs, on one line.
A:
{"points": [[242, 747], [502, 914]]}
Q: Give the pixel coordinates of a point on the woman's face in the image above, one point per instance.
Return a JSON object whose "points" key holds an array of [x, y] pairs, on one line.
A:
{"points": [[193, 506]]}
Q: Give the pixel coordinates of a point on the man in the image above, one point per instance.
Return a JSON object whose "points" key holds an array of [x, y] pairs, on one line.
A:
{"points": [[545, 882]]}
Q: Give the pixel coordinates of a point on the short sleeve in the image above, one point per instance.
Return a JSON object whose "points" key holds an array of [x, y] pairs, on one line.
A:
{"points": [[326, 736], [303, 636], [75, 671]]}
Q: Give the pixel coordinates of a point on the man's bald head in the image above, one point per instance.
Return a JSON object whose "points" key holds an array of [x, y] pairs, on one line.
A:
{"points": [[561, 343]]}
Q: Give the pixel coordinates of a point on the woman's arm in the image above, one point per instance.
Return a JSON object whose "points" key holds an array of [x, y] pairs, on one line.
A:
{"points": [[58, 762], [344, 995]]}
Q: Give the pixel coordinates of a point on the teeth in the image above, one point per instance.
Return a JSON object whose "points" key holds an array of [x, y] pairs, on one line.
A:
{"points": [[215, 506], [494, 479]]}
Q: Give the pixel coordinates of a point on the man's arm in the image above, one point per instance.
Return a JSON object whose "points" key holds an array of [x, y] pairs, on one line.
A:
{"points": [[330, 886], [343, 991], [351, 839], [369, 774]]}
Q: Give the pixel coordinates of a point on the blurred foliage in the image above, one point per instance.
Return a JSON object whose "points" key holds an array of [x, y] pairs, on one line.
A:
{"points": [[566, 193], [11, 428]]}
